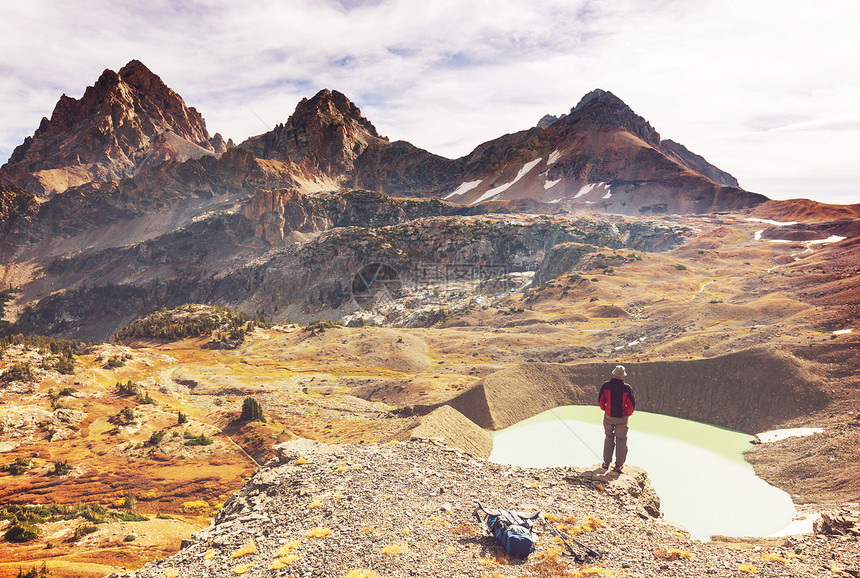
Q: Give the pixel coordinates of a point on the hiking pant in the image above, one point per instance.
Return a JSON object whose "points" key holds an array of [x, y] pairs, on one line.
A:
{"points": [[616, 439]]}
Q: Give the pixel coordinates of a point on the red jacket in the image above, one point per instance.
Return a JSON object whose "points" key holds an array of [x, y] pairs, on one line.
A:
{"points": [[616, 398]]}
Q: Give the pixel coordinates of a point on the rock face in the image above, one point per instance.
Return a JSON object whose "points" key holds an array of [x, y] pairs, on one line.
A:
{"points": [[126, 120], [254, 261]]}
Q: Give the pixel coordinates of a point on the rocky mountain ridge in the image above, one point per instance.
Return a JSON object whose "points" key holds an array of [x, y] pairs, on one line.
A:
{"points": [[602, 156]]}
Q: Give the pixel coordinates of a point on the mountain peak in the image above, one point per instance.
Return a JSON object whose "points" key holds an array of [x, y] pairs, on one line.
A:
{"points": [[598, 94], [600, 109], [136, 74], [334, 105], [106, 133], [327, 131]]}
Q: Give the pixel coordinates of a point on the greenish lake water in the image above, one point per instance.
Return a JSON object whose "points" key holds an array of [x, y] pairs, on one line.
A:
{"points": [[704, 483]]}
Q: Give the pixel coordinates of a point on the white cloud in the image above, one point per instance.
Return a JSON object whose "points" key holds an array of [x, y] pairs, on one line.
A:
{"points": [[762, 90]]}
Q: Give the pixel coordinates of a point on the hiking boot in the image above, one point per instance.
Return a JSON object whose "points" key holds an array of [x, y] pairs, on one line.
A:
{"points": [[618, 468], [605, 465]]}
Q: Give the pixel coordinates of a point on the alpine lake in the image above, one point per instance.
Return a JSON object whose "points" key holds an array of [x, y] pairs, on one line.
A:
{"points": [[698, 470]]}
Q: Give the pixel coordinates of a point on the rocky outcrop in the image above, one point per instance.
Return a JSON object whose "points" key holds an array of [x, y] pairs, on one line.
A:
{"points": [[841, 521], [277, 213], [108, 133], [560, 259], [632, 487], [407, 510]]}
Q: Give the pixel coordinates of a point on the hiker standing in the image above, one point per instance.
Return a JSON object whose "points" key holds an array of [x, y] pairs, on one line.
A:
{"points": [[616, 399]]}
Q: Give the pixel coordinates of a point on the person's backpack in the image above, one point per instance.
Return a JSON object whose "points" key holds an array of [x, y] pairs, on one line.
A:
{"points": [[512, 530]]}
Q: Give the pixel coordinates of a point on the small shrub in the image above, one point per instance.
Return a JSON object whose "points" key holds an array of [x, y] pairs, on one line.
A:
{"points": [[65, 365], [22, 532], [252, 411], [679, 267], [124, 417], [18, 467], [127, 389], [62, 467], [69, 391], [320, 325], [18, 372], [130, 517], [156, 437], [773, 557], [34, 572], [130, 538], [181, 418], [197, 440], [160, 516], [393, 549], [195, 507], [84, 530], [116, 361], [319, 532]]}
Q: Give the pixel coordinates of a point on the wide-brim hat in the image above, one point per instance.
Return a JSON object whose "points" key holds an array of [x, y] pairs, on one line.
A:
{"points": [[619, 371]]}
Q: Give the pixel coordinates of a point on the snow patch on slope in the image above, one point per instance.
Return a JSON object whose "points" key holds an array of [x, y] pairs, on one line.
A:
{"points": [[553, 157], [463, 188], [830, 239], [502, 188], [594, 187], [585, 190], [770, 222], [781, 434], [550, 184]]}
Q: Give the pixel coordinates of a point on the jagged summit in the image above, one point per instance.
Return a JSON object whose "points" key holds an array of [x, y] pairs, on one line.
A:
{"points": [[601, 110], [326, 132], [108, 132]]}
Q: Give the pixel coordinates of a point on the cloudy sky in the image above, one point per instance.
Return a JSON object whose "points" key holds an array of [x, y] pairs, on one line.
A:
{"points": [[767, 90]]}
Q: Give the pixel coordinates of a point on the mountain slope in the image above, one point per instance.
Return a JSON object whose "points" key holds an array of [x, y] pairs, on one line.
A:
{"points": [[126, 119]]}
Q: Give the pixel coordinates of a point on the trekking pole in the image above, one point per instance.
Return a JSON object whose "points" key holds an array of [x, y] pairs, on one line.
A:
{"points": [[578, 557]]}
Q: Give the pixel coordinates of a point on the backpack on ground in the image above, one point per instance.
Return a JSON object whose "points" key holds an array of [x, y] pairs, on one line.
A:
{"points": [[512, 530]]}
